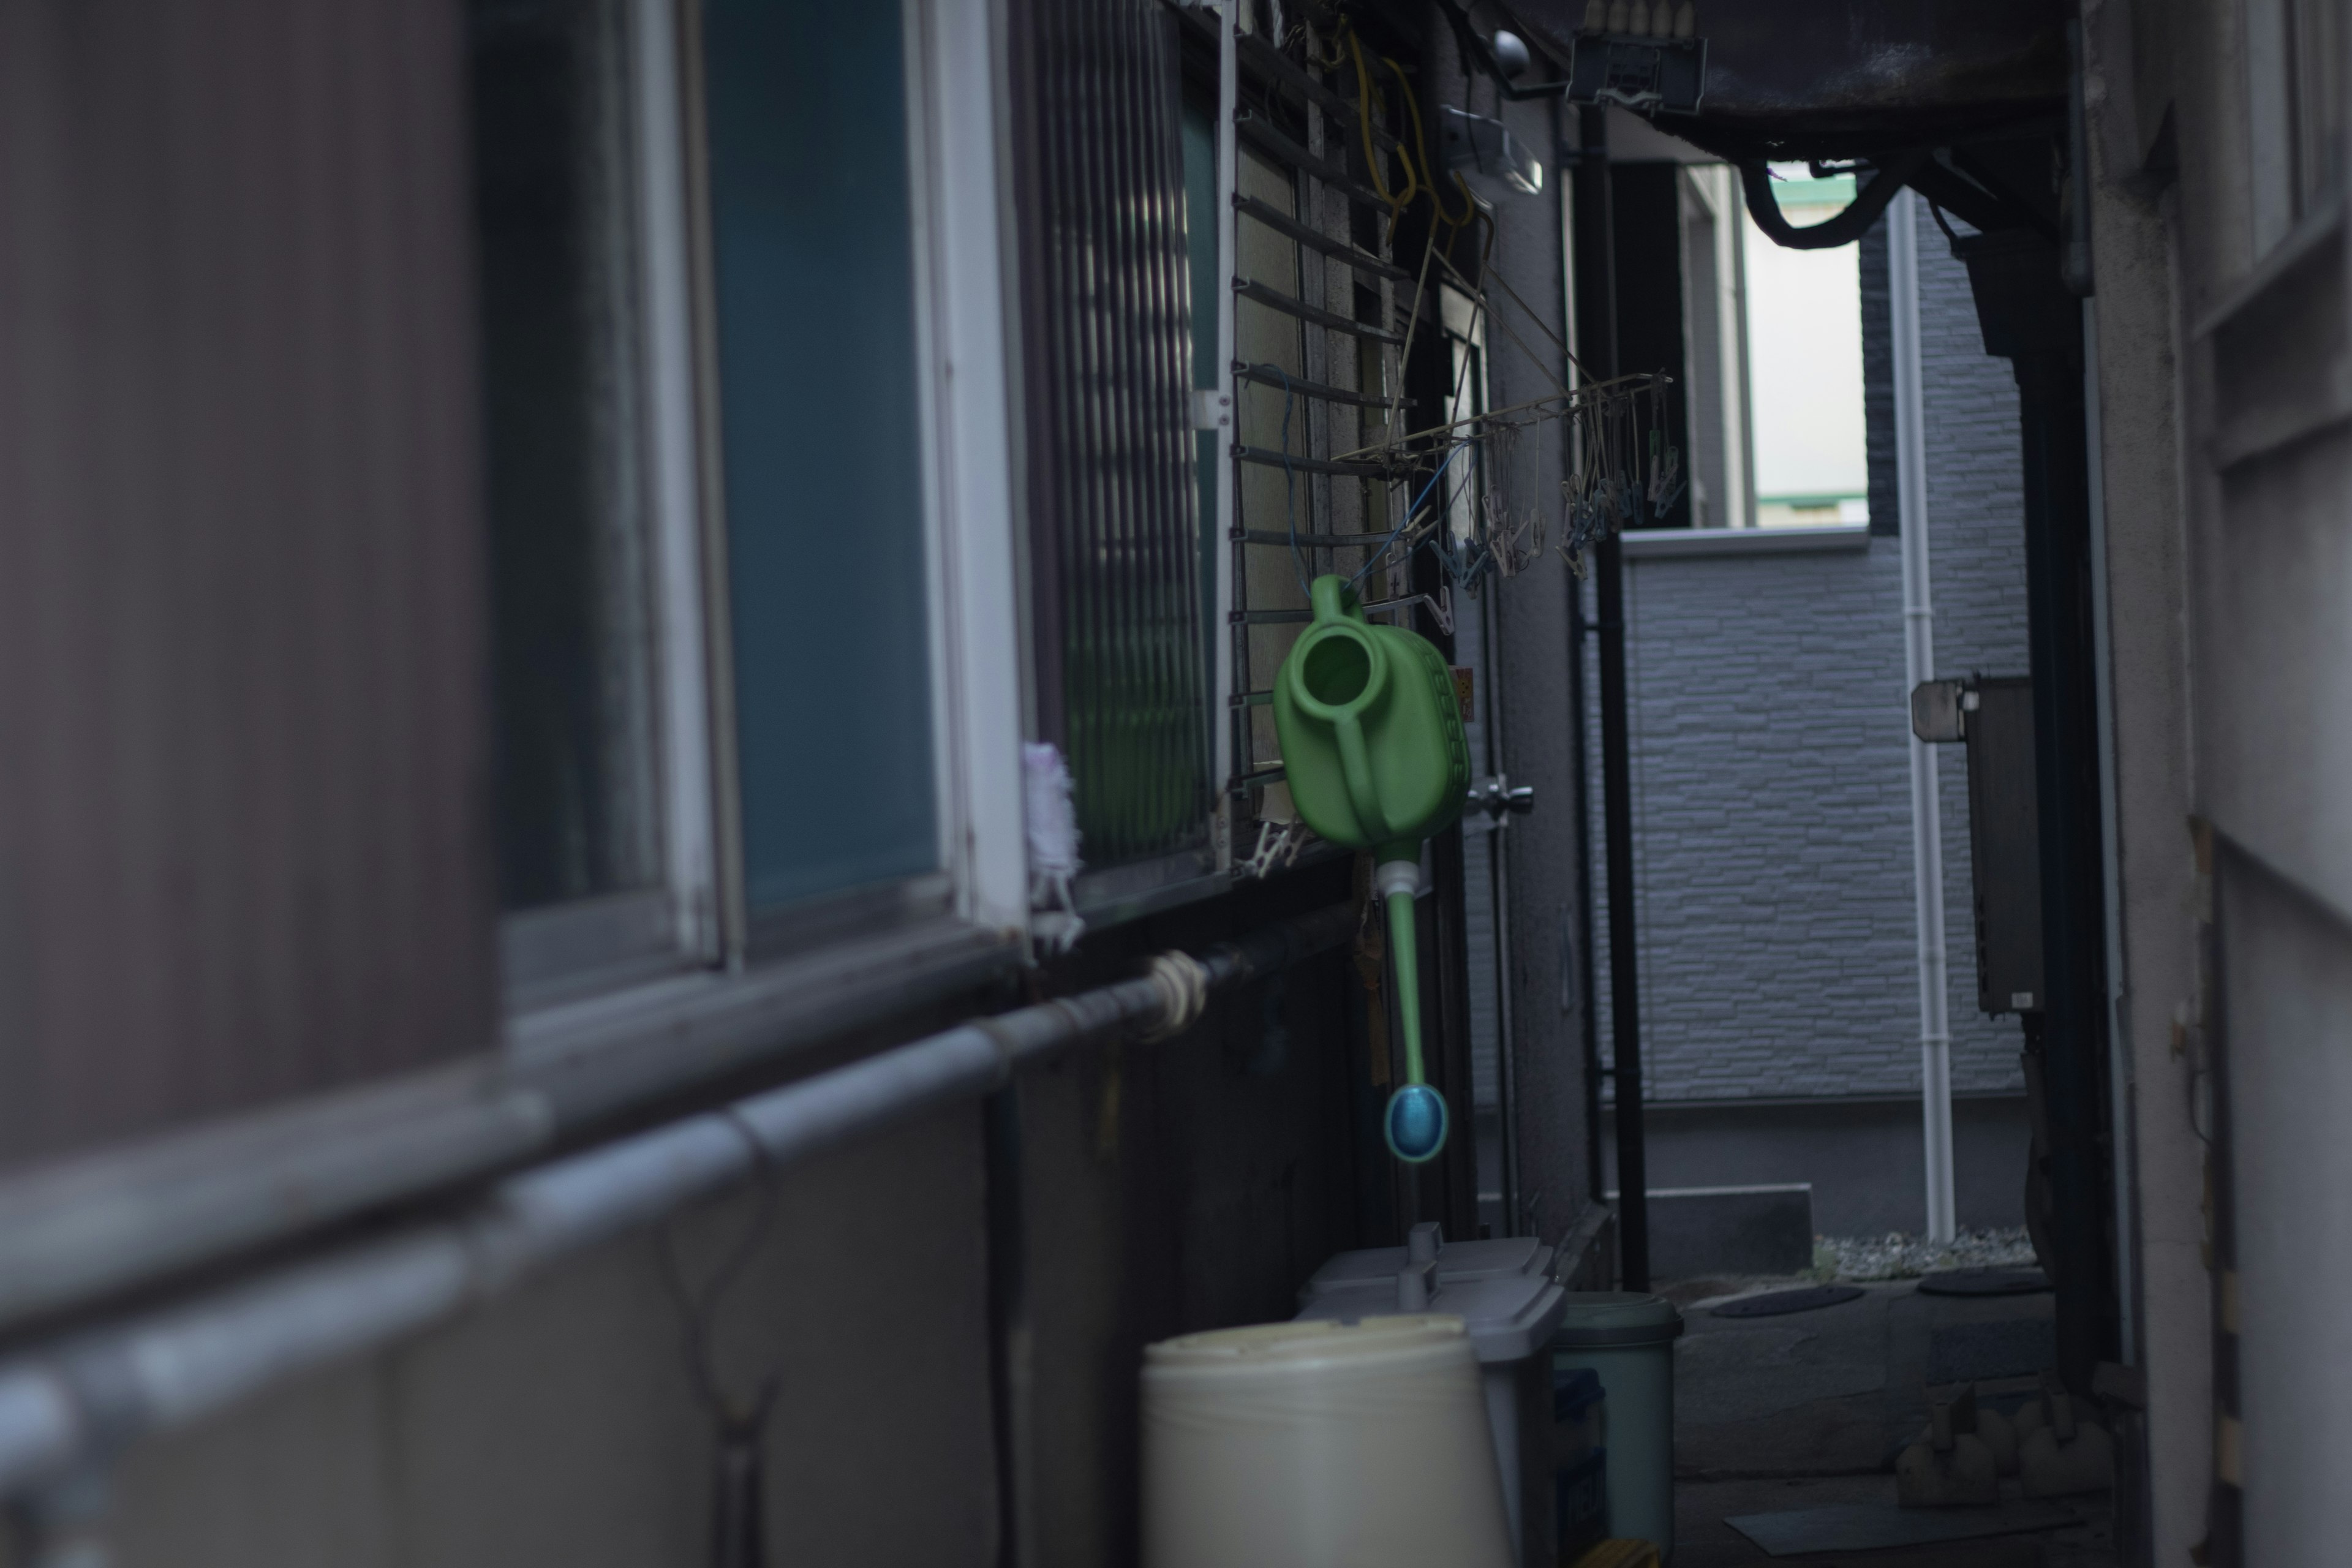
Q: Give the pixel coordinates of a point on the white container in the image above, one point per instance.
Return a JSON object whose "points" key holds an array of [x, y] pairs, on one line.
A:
{"points": [[1319, 1444], [1509, 1306], [1627, 1338]]}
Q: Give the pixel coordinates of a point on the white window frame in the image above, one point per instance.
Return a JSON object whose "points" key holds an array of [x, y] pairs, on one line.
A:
{"points": [[582, 944], [953, 59], [689, 837]]}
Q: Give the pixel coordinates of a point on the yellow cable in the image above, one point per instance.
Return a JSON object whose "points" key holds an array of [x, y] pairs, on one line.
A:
{"points": [[1366, 105], [1420, 142]]}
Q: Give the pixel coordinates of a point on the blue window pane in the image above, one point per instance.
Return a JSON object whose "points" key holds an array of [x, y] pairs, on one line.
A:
{"points": [[1201, 237], [823, 456]]}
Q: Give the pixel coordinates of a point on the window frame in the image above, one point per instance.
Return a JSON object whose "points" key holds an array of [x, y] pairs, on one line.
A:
{"points": [[955, 62], [2294, 73], [696, 916], [557, 950]]}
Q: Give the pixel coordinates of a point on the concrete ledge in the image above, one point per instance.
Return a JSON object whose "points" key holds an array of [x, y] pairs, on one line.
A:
{"points": [[1699, 1231], [1664, 543]]}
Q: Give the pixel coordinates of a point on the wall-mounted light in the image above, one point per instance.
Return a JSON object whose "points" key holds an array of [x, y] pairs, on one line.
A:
{"points": [[1477, 145]]}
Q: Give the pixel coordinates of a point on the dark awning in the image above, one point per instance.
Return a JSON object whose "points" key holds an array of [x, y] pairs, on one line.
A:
{"points": [[1834, 79]]}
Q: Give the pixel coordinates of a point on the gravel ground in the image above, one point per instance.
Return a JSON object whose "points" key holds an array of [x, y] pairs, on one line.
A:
{"points": [[1900, 1255]]}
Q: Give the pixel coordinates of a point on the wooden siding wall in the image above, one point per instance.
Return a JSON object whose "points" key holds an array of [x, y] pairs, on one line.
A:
{"points": [[243, 803]]}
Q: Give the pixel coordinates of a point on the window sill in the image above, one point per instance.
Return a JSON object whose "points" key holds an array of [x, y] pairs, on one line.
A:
{"points": [[1118, 894], [548, 955], [102, 1223], [603, 1055], [1675, 543]]}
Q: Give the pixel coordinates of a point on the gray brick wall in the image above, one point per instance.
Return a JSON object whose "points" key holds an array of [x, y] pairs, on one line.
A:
{"points": [[1771, 779]]}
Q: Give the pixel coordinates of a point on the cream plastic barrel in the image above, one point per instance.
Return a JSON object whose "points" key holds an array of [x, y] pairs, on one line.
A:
{"points": [[1320, 1445]]}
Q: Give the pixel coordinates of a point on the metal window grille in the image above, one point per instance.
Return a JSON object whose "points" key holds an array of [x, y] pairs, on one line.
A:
{"points": [[1115, 573]]}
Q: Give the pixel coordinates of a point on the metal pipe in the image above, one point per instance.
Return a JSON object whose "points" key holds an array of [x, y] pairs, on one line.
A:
{"points": [[1587, 1016], [1919, 665], [1230, 752], [1617, 775], [73, 1403], [1517, 1220], [99, 1224], [1588, 1020], [2124, 1162], [2029, 319]]}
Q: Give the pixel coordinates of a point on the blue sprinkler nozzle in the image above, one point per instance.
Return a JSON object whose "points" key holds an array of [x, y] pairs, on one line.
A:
{"points": [[1414, 1123]]}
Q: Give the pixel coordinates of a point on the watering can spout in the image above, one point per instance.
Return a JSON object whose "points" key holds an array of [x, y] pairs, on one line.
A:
{"points": [[1332, 597]]}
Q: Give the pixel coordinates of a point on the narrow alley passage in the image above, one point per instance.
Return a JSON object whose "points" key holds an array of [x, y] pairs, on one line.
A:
{"points": [[1790, 1423], [1175, 784]]}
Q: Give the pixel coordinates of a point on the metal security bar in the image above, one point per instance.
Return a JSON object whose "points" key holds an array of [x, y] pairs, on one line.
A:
{"points": [[1261, 134], [1274, 69], [1282, 223], [1293, 463], [1315, 370], [1330, 321], [1272, 376]]}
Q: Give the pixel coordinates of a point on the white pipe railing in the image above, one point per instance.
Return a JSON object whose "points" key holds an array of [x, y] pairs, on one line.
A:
{"points": [[1919, 665], [67, 1406]]}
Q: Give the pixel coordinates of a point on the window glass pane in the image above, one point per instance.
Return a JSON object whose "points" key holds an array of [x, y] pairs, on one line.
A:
{"points": [[1200, 236], [810, 208], [1804, 360], [572, 628]]}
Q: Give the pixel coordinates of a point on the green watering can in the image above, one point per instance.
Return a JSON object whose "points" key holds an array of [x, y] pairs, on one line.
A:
{"points": [[1373, 746]]}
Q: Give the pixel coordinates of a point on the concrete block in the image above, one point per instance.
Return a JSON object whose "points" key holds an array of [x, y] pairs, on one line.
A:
{"points": [[1696, 1231]]}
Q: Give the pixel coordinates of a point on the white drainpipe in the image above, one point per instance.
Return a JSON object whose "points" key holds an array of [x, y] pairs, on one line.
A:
{"points": [[1919, 665]]}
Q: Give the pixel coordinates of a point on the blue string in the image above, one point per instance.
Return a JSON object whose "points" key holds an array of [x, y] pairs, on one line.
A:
{"points": [[1411, 513]]}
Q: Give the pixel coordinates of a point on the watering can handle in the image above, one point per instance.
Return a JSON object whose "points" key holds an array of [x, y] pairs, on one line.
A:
{"points": [[1356, 765]]}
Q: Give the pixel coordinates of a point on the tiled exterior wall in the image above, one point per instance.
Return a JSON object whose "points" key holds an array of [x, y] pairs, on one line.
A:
{"points": [[1772, 823]]}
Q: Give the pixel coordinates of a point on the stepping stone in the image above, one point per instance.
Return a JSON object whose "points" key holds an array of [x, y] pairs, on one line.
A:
{"points": [[1984, 1282], [1774, 1303], [1875, 1527]]}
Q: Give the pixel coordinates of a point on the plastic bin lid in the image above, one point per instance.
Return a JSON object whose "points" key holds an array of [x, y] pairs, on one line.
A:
{"points": [[1597, 1319], [1508, 1319], [1457, 1261]]}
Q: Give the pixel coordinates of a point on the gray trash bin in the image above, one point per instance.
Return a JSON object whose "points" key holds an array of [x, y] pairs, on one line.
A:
{"points": [[1507, 1302], [1627, 1338]]}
